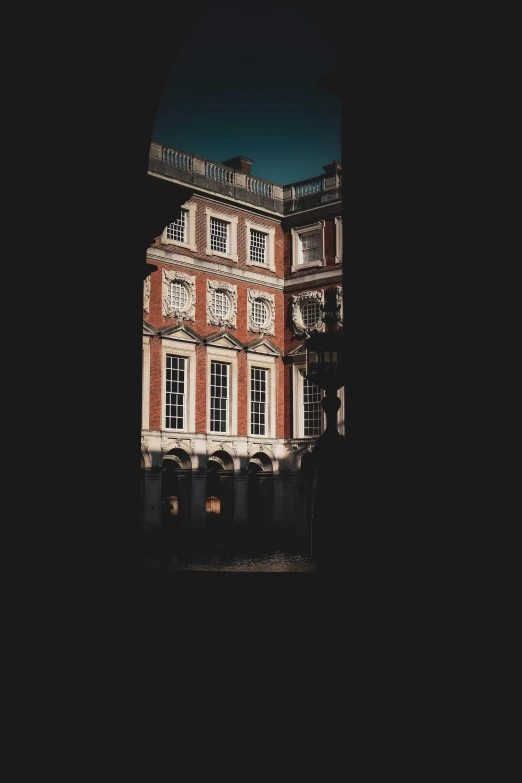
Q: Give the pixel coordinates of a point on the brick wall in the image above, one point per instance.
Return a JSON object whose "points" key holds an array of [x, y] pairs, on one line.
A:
{"points": [[283, 338], [201, 237]]}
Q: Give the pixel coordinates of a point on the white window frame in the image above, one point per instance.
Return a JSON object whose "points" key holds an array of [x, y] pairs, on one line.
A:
{"points": [[338, 240], [231, 236], [269, 247], [297, 234], [181, 360], [190, 228], [298, 407], [263, 363], [226, 356], [188, 352]]}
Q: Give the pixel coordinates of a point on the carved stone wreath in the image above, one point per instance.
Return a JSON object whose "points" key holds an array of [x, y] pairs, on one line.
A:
{"points": [[185, 444], [269, 301], [146, 294], [340, 303], [231, 291], [187, 313], [300, 328], [267, 448], [223, 445]]}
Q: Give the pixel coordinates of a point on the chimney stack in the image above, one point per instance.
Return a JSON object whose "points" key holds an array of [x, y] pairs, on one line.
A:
{"points": [[239, 164], [331, 168]]}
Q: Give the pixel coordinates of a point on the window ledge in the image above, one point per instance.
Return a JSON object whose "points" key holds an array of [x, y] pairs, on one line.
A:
{"points": [[260, 265], [175, 243], [309, 265], [221, 255]]}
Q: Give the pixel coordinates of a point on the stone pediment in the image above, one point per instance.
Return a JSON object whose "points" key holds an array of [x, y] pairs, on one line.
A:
{"points": [[263, 346], [298, 349], [223, 340], [148, 330], [181, 332]]}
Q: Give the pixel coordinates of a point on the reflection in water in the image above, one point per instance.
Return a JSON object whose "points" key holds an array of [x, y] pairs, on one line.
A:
{"points": [[240, 561]]}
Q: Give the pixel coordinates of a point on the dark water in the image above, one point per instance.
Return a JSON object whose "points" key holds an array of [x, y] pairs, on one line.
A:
{"points": [[277, 561]]}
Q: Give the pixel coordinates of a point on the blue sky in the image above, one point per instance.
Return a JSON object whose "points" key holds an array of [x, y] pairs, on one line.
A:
{"points": [[245, 84]]}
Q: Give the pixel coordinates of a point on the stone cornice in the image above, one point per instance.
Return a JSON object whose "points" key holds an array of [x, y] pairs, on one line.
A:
{"points": [[210, 194], [215, 269], [322, 277], [319, 278]]}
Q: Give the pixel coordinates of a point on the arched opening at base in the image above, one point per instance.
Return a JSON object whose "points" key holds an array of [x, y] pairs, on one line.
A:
{"points": [[219, 497], [260, 493], [176, 489]]}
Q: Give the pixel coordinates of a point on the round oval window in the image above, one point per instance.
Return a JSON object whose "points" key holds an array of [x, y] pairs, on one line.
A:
{"points": [[178, 296], [220, 304], [259, 312], [310, 312]]}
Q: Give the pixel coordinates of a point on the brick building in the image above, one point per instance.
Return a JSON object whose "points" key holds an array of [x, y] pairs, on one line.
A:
{"points": [[235, 287]]}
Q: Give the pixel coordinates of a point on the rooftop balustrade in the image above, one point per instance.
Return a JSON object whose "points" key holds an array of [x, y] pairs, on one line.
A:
{"points": [[218, 178]]}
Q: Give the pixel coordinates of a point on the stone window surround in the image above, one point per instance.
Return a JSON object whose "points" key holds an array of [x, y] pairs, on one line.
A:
{"points": [[298, 324], [264, 363], [145, 384], [186, 351], [297, 233], [339, 290], [269, 248], [338, 240], [188, 313], [269, 301], [190, 220], [232, 220], [146, 294], [226, 356], [231, 291]]}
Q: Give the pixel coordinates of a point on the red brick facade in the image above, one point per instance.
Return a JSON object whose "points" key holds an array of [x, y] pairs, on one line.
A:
{"points": [[279, 347], [283, 337]]}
